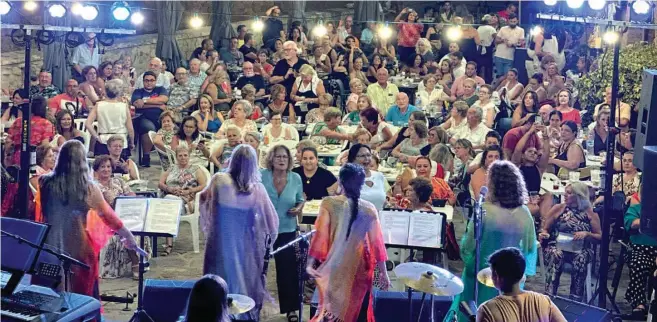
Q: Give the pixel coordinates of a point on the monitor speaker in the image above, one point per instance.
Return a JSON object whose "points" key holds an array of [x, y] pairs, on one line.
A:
{"points": [[166, 300], [577, 311], [646, 120], [649, 192], [390, 306]]}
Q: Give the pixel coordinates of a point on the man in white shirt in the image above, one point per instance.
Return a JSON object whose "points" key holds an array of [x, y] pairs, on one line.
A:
{"points": [[345, 31], [475, 131], [155, 66], [382, 93], [456, 60], [84, 55], [487, 34], [196, 76], [507, 39]]}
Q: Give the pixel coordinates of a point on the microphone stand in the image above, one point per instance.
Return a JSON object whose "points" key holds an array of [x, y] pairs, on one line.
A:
{"points": [[303, 241], [477, 217], [65, 259]]}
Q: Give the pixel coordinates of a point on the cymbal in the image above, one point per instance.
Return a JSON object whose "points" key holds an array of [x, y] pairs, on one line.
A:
{"points": [[238, 304], [429, 279], [485, 276]]}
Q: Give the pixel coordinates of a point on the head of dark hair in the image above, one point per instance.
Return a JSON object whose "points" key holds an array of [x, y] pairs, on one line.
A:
{"points": [[181, 129], [205, 41], [513, 70], [538, 77], [474, 64], [353, 151], [557, 113], [489, 149], [419, 116], [570, 124], [100, 160], [494, 134], [457, 54], [513, 16], [240, 27], [370, 114], [530, 109], [149, 73], [352, 177], [422, 188], [248, 37], [197, 52], [58, 121], [87, 69], [311, 149], [209, 53], [508, 264], [39, 104], [208, 300], [41, 152]]}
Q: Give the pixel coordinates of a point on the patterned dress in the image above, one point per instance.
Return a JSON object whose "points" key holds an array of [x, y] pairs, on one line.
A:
{"points": [[167, 137], [569, 222], [347, 269], [184, 178]]}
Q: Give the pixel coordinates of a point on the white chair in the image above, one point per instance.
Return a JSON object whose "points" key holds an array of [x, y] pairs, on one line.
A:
{"points": [[80, 124], [87, 140], [193, 219], [589, 283]]}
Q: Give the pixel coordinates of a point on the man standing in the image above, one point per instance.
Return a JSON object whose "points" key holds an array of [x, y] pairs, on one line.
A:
{"points": [[232, 55], [456, 61], [155, 67], [248, 50], [181, 95], [470, 72], [273, 28], [196, 76], [285, 71], [73, 100], [507, 39], [398, 115], [382, 93], [250, 77], [508, 11], [149, 100], [345, 31], [85, 55], [241, 32], [45, 88]]}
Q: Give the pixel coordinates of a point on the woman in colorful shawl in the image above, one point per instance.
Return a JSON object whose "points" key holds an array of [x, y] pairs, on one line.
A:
{"points": [[349, 244]]}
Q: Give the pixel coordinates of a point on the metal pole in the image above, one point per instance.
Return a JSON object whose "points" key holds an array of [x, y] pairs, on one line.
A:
{"points": [[24, 173], [608, 201]]}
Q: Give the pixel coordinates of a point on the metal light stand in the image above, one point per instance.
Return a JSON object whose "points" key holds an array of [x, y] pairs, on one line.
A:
{"points": [[140, 314]]}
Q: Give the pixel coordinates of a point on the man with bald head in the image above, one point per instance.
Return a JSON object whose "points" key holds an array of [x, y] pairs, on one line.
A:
{"points": [[44, 88], [544, 112], [73, 99], [286, 69], [382, 93], [196, 76], [155, 66], [398, 114], [181, 95], [250, 77]]}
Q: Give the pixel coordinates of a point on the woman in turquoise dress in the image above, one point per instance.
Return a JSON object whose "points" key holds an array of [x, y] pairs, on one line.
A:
{"points": [[507, 222]]}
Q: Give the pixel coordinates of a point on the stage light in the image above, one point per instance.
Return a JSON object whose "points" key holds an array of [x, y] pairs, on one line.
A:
{"points": [[641, 7], [196, 21], [610, 37], [257, 25], [120, 10], [575, 4], [385, 32], [76, 8], [137, 18], [320, 30], [454, 33], [597, 4], [550, 2], [5, 7], [30, 5], [535, 31], [89, 12], [56, 10]]}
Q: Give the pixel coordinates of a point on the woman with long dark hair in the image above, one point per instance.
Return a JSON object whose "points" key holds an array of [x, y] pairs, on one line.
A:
{"points": [[208, 300], [349, 245], [527, 108]]}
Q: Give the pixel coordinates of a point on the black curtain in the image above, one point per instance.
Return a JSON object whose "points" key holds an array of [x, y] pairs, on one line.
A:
{"points": [[169, 17], [222, 30]]}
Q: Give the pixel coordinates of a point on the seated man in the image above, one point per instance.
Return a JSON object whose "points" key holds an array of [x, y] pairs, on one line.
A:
{"points": [[330, 129], [514, 135], [73, 99], [250, 77], [398, 114], [474, 130], [232, 55], [148, 101], [514, 304]]}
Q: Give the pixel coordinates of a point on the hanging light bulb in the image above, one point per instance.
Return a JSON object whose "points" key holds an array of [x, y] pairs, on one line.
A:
{"points": [[320, 30], [30, 5], [56, 10], [137, 18], [5, 7], [574, 4], [610, 37], [196, 21], [641, 7], [76, 8], [597, 4], [257, 25], [385, 32], [89, 12], [454, 33], [550, 2]]}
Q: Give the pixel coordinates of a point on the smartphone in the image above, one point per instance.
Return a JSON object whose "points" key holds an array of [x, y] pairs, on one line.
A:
{"points": [[539, 119]]}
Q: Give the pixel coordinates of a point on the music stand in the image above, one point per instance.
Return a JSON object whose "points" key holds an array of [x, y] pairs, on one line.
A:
{"points": [[19, 255]]}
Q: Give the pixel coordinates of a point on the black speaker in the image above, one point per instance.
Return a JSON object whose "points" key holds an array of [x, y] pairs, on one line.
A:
{"points": [[577, 311], [649, 191], [166, 300], [393, 306], [646, 121]]}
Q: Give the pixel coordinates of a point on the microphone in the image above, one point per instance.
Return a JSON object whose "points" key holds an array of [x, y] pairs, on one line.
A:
{"points": [[482, 195]]}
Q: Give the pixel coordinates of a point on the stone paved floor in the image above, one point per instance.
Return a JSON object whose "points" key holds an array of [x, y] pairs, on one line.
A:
{"points": [[185, 264]]}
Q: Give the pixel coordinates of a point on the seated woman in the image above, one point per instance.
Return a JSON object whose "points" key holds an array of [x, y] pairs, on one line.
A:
{"points": [[627, 181], [418, 68], [183, 180], [376, 185], [457, 119], [353, 118], [432, 94], [469, 95], [442, 155], [45, 162], [218, 88], [418, 193], [14, 111], [357, 89], [600, 130], [317, 115], [570, 154], [509, 89], [403, 132], [249, 94], [576, 220], [362, 136], [568, 113], [329, 131], [221, 156], [370, 119], [277, 131], [554, 131], [441, 189], [116, 260], [190, 137], [120, 165], [239, 116], [66, 130], [356, 69], [278, 104], [93, 87], [479, 177], [410, 147], [208, 300], [164, 137], [526, 109], [317, 181], [207, 118]]}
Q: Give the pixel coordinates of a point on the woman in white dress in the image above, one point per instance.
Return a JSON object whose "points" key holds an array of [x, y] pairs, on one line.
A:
{"points": [[544, 43], [376, 185], [113, 116], [277, 131]]}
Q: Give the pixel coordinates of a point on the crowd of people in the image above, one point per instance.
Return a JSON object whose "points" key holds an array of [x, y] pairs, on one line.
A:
{"points": [[493, 131]]}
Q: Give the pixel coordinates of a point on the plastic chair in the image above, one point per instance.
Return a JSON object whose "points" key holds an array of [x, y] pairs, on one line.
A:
{"points": [[193, 219], [80, 124]]}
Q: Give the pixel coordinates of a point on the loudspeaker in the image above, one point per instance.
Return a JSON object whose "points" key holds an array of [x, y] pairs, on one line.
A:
{"points": [[393, 306], [647, 102], [576, 311], [649, 191], [166, 300]]}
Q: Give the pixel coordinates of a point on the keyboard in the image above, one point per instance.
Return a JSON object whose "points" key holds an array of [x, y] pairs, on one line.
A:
{"points": [[29, 306], [20, 312]]}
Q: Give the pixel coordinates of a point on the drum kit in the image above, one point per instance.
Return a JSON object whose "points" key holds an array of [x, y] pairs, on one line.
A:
{"points": [[433, 280]]}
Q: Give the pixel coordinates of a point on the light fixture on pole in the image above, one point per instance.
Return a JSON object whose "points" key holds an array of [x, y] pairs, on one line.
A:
{"points": [[641, 7], [137, 18], [89, 12], [56, 10], [574, 4], [550, 2], [257, 25], [120, 10], [597, 4], [320, 30], [5, 7], [610, 37], [77, 8], [385, 32], [454, 33], [196, 21], [30, 5]]}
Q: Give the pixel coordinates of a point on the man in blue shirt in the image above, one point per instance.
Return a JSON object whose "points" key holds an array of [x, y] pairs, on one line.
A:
{"points": [[398, 114], [148, 101]]}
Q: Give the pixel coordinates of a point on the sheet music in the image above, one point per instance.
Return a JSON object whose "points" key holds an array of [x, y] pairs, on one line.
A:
{"points": [[424, 230], [132, 212], [394, 225], [163, 216]]}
